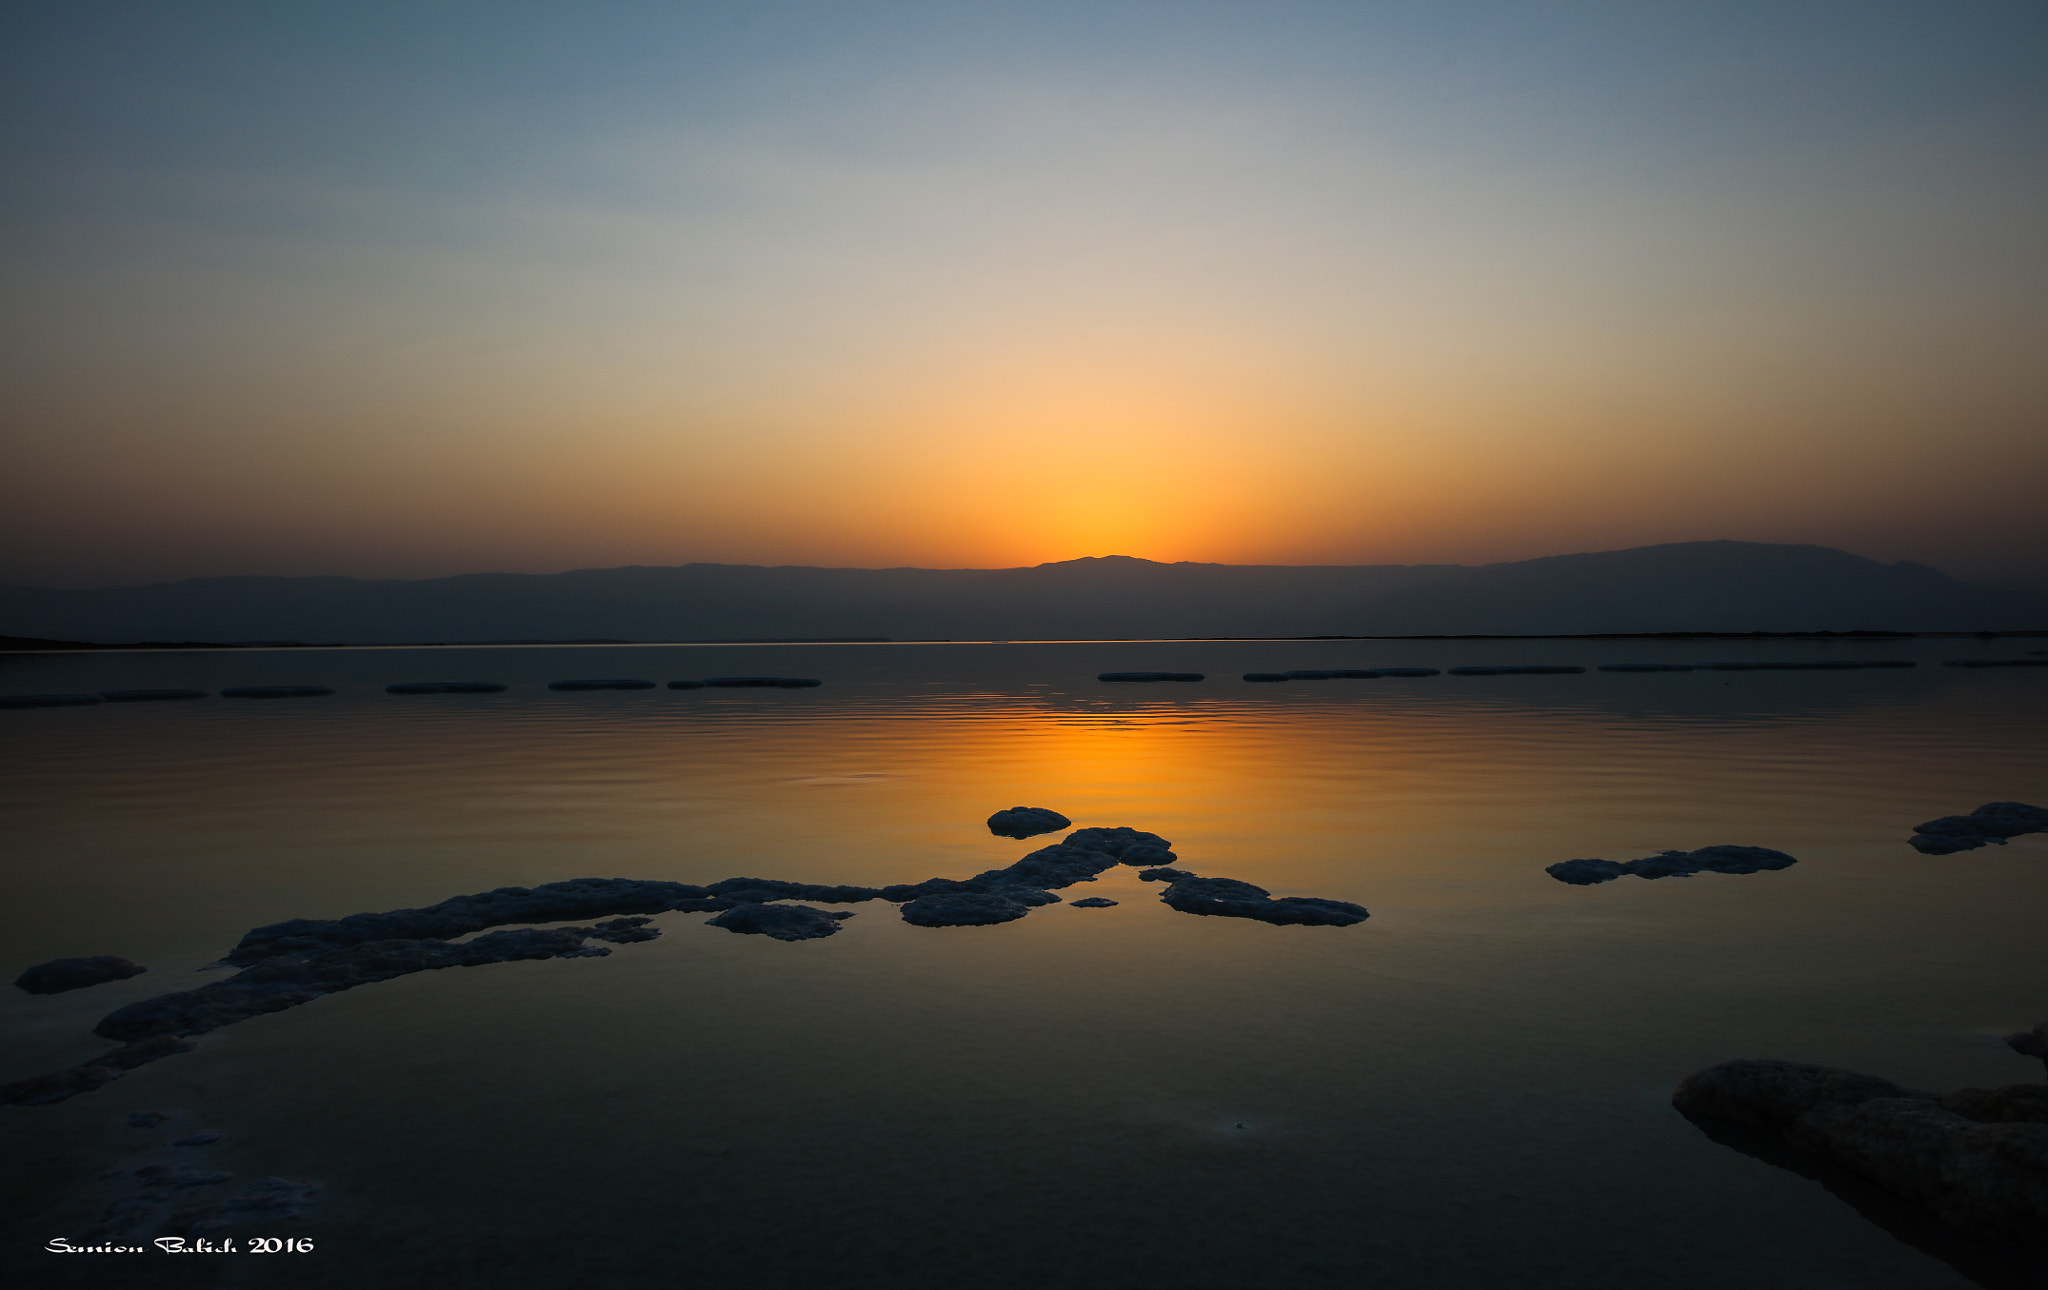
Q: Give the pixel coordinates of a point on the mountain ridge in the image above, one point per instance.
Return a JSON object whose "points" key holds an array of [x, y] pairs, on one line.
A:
{"points": [[1715, 586]]}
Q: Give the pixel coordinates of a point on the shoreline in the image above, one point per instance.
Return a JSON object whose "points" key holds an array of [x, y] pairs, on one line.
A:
{"points": [[40, 645]]}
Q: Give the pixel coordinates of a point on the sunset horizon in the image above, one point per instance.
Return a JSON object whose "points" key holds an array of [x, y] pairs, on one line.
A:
{"points": [[378, 292], [1024, 644]]}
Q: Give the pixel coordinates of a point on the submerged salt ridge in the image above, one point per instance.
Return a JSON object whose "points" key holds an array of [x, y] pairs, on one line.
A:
{"points": [[1672, 864], [302, 959], [1978, 1157], [1492, 669], [59, 975], [1992, 822]]}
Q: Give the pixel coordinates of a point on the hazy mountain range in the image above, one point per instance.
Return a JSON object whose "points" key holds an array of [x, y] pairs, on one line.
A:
{"points": [[1689, 586]]}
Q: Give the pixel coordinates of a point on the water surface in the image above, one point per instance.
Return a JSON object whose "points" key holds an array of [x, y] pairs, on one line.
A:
{"points": [[1469, 1089]]}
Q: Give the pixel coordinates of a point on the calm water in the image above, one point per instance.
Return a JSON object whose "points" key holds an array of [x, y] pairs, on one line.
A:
{"points": [[1468, 1090]]}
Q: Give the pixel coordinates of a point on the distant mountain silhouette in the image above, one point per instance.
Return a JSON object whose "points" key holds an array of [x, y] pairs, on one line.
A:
{"points": [[1703, 586], [1689, 586]]}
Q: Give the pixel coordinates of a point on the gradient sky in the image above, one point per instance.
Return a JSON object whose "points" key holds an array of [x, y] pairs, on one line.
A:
{"points": [[408, 289]]}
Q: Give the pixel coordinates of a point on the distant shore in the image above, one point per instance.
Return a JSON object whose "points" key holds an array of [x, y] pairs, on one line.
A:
{"points": [[41, 645]]}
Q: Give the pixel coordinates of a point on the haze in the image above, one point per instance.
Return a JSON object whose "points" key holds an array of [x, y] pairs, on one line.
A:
{"points": [[426, 288]]}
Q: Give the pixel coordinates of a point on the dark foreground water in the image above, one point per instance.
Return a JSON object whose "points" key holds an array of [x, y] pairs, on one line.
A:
{"points": [[1468, 1090]]}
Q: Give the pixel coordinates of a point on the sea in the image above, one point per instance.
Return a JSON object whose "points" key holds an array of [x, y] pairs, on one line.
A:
{"points": [[1471, 1088]]}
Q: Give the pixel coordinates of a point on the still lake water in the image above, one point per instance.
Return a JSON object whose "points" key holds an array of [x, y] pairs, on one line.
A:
{"points": [[1468, 1090]]}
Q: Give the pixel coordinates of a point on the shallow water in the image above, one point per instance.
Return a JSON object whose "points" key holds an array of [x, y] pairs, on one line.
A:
{"points": [[1469, 1089]]}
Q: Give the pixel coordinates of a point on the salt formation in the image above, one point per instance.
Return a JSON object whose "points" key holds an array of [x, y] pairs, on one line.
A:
{"points": [[783, 922], [1672, 864], [1230, 898], [302, 959], [1991, 822], [1129, 846], [59, 975], [1026, 821], [1978, 1158]]}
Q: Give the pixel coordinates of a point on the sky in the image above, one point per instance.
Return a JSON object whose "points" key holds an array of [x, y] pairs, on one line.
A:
{"points": [[421, 288]]}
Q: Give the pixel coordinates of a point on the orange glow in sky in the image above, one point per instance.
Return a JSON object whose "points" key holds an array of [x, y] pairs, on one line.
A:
{"points": [[1338, 285]]}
